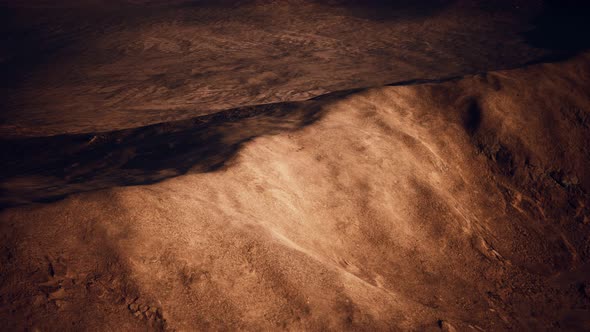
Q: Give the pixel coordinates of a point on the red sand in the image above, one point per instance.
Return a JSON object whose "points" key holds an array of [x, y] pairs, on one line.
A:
{"points": [[457, 206]]}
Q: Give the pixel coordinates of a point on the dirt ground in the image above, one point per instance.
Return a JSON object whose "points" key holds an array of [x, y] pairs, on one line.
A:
{"points": [[459, 205], [99, 65]]}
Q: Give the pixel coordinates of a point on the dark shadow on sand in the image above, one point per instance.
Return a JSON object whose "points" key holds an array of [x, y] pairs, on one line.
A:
{"points": [[45, 169], [563, 27]]}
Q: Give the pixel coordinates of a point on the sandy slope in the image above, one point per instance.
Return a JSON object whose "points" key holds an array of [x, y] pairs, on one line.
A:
{"points": [[460, 205]]}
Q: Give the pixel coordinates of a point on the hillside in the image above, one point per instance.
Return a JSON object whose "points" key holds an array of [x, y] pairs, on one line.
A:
{"points": [[456, 205]]}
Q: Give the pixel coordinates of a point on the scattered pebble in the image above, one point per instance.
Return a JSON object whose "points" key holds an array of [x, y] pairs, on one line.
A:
{"points": [[446, 326]]}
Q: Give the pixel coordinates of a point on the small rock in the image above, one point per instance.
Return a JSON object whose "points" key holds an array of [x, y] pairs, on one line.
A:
{"points": [[133, 307], [144, 308], [58, 294], [59, 303], [446, 326]]}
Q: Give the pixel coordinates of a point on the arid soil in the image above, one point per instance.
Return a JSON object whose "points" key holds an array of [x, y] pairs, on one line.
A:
{"points": [[458, 205], [99, 65]]}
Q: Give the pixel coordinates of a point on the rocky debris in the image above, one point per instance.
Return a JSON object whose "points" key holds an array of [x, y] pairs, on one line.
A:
{"points": [[564, 180], [142, 311]]}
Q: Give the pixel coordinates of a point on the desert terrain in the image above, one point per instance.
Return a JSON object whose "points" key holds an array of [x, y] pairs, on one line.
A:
{"points": [[295, 165], [99, 65]]}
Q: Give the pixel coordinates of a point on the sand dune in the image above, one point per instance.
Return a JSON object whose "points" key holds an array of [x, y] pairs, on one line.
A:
{"points": [[460, 205]]}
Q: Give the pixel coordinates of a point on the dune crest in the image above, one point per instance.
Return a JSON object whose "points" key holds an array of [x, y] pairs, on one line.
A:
{"points": [[458, 205]]}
